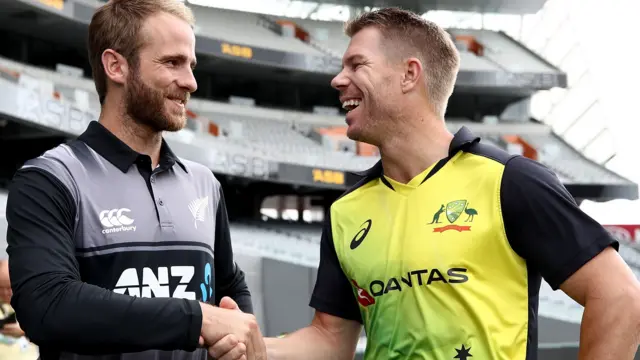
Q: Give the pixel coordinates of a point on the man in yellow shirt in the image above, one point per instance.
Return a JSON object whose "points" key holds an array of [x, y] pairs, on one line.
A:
{"points": [[439, 251]]}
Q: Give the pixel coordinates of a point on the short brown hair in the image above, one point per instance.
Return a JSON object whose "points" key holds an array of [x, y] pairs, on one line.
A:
{"points": [[116, 25], [416, 36]]}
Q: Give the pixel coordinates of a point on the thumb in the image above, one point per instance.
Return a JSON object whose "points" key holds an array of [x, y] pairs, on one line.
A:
{"points": [[228, 303]]}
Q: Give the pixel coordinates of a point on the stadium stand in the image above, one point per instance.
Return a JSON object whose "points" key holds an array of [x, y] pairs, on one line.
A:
{"points": [[284, 136], [247, 29]]}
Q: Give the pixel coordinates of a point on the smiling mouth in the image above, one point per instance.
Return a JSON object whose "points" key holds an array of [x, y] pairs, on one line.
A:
{"points": [[180, 102], [349, 105]]}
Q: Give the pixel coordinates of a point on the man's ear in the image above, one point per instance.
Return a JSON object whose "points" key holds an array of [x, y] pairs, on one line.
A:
{"points": [[115, 66], [412, 74]]}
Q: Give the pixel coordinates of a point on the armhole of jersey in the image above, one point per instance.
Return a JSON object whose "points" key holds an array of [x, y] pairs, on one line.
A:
{"points": [[60, 175]]}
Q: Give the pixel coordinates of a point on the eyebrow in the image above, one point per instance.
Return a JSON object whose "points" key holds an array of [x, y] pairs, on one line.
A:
{"points": [[181, 58], [353, 58]]}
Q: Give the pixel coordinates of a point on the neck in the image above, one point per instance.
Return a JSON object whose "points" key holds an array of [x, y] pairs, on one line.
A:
{"points": [[414, 146], [138, 137]]}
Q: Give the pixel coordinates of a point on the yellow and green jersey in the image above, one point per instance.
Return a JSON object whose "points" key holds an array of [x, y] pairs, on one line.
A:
{"points": [[449, 265]]}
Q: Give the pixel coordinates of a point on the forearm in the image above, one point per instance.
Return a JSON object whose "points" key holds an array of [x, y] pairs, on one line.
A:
{"points": [[309, 343], [73, 316], [609, 331], [235, 287]]}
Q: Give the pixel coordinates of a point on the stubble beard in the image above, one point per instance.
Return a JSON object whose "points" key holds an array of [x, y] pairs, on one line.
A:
{"points": [[146, 107]]}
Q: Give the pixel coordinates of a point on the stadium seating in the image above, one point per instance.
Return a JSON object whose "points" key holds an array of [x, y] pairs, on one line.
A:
{"points": [[282, 135], [257, 240], [244, 28]]}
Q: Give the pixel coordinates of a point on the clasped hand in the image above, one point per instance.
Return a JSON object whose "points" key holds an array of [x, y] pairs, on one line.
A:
{"points": [[230, 334]]}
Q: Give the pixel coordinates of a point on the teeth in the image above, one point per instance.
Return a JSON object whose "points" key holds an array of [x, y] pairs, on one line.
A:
{"points": [[350, 103]]}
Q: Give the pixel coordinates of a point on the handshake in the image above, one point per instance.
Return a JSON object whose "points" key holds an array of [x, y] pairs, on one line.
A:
{"points": [[230, 334]]}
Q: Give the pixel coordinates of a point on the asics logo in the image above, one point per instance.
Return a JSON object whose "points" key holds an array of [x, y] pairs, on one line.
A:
{"points": [[360, 235], [115, 220]]}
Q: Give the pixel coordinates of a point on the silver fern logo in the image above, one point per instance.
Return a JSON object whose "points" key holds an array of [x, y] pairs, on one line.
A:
{"points": [[198, 208]]}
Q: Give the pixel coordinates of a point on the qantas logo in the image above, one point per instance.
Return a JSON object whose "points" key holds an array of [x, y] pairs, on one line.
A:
{"points": [[415, 278], [360, 235], [364, 298]]}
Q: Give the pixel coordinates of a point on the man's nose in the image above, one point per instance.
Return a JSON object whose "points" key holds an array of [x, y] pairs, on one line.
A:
{"points": [[339, 81], [188, 81]]}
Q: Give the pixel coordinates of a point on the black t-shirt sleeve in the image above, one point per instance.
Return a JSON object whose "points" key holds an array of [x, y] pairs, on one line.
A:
{"points": [[544, 224], [229, 278], [333, 293], [55, 308]]}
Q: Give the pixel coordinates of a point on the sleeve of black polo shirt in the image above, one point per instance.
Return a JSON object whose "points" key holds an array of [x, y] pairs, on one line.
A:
{"points": [[229, 278], [545, 225], [333, 293], [56, 309]]}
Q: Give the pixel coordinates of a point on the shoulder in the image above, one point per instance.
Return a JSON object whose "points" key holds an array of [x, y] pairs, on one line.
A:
{"points": [[491, 152], [200, 172], [56, 165], [366, 181]]}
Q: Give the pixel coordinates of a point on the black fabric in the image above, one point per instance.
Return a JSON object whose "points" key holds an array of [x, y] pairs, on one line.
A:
{"points": [[56, 309], [332, 293], [230, 279], [56, 298], [544, 224], [120, 154]]}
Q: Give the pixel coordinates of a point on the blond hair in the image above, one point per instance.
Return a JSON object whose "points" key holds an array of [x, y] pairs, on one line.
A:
{"points": [[411, 35]]}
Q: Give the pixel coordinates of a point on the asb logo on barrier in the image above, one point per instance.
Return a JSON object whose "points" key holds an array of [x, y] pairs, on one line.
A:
{"points": [[452, 211], [328, 176], [116, 220], [236, 50]]}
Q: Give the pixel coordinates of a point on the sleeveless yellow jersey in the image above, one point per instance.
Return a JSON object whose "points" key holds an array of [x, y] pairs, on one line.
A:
{"points": [[449, 265]]}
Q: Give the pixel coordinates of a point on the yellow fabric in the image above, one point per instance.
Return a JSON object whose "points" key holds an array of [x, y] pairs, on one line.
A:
{"points": [[437, 262]]}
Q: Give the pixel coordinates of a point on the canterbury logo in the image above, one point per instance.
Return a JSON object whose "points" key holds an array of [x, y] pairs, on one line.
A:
{"points": [[115, 220], [198, 208]]}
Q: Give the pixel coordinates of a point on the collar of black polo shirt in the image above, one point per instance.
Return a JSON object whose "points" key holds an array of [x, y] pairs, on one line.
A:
{"points": [[105, 143]]}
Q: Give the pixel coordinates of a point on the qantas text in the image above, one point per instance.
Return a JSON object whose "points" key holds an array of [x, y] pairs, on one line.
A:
{"points": [[418, 278]]}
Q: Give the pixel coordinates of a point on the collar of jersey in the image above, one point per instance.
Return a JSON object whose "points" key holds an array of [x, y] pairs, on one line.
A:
{"points": [[105, 143], [462, 140], [407, 188]]}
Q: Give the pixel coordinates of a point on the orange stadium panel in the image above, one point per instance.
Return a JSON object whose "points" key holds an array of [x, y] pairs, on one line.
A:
{"points": [[528, 150], [299, 32], [214, 129], [472, 44]]}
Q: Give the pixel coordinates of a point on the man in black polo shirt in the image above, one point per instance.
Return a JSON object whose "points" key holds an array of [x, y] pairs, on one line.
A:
{"points": [[116, 245]]}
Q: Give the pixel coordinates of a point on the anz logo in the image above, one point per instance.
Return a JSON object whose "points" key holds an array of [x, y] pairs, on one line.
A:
{"points": [[205, 287], [156, 283]]}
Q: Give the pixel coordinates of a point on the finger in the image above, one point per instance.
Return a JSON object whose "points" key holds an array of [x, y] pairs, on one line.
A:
{"points": [[258, 347], [236, 353], [223, 346], [228, 303]]}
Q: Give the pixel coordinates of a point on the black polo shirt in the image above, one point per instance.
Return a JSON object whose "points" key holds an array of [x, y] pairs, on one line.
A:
{"points": [[108, 255]]}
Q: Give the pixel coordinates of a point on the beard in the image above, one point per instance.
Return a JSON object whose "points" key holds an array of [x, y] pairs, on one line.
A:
{"points": [[146, 106]]}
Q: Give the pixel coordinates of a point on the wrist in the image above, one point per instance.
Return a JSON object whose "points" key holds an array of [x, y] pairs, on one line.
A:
{"points": [[192, 334]]}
